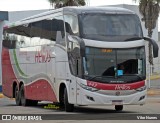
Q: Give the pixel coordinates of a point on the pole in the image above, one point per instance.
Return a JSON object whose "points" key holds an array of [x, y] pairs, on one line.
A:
{"points": [[149, 77]]}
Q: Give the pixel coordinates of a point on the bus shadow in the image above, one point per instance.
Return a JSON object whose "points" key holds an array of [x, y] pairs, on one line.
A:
{"points": [[91, 113], [81, 109], [98, 110], [77, 109]]}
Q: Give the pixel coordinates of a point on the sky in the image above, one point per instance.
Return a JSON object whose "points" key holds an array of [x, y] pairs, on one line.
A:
{"points": [[18, 5]]}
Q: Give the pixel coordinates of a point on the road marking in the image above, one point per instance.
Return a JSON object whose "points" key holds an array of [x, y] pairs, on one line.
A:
{"points": [[1, 95], [153, 92], [153, 97]]}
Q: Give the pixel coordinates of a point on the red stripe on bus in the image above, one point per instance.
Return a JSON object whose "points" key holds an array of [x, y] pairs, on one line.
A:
{"points": [[8, 76], [40, 90], [103, 86]]}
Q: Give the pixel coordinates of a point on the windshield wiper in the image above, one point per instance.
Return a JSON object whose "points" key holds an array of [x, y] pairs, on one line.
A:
{"points": [[140, 77], [91, 77], [94, 77], [133, 38]]}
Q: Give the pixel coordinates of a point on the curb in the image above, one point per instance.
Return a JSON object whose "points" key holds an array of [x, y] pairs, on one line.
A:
{"points": [[153, 77], [1, 95], [153, 92]]}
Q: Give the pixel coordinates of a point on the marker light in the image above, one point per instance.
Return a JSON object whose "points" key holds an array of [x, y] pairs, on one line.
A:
{"points": [[88, 87]]}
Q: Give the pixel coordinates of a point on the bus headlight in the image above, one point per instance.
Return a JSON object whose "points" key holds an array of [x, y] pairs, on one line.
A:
{"points": [[88, 87], [141, 88]]}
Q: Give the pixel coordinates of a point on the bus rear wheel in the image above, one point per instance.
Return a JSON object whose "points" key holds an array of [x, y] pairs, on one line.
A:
{"points": [[17, 96], [24, 101], [118, 107], [68, 107]]}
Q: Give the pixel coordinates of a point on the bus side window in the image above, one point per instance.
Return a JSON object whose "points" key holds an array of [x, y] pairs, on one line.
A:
{"points": [[6, 41], [71, 24], [46, 32], [26, 29], [9, 39], [35, 33], [23, 35], [19, 41], [72, 29], [20, 36], [15, 37], [58, 29]]}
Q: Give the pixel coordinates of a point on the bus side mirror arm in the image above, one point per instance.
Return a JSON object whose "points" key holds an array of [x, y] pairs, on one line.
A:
{"points": [[154, 44]]}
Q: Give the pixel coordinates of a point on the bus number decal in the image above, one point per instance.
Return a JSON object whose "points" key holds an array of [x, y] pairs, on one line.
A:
{"points": [[92, 84]]}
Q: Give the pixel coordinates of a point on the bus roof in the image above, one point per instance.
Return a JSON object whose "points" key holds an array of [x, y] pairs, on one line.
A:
{"points": [[75, 10], [79, 10]]}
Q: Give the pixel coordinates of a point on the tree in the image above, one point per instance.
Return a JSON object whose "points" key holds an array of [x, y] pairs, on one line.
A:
{"points": [[149, 9], [63, 3]]}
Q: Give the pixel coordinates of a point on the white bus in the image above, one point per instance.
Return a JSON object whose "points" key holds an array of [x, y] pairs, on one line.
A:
{"points": [[76, 56]]}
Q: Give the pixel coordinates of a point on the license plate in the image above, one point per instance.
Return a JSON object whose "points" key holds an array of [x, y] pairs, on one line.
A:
{"points": [[117, 102]]}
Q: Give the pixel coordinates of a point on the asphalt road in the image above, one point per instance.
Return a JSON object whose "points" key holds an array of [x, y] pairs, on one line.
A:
{"points": [[152, 107], [88, 114], [155, 83]]}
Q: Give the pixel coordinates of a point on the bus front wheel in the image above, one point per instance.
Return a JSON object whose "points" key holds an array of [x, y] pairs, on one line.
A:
{"points": [[68, 107], [17, 96], [118, 107]]}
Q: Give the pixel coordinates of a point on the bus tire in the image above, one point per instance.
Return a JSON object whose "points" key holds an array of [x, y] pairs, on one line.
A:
{"points": [[118, 107], [24, 101], [68, 107], [17, 96]]}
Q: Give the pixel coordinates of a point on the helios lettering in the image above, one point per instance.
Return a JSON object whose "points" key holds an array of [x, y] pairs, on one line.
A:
{"points": [[42, 56], [122, 87]]}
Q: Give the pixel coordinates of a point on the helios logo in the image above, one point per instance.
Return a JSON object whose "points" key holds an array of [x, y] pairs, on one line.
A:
{"points": [[122, 87], [42, 56]]}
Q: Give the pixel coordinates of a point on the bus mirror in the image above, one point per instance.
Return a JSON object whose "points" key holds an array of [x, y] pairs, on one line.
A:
{"points": [[76, 51], [53, 55], [82, 46], [70, 46], [76, 42], [155, 46]]}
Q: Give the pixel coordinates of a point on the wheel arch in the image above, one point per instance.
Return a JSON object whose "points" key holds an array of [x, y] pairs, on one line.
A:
{"points": [[15, 83], [13, 89]]}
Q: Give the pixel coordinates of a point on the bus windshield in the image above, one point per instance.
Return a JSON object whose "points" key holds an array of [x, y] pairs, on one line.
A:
{"points": [[110, 27], [115, 65]]}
